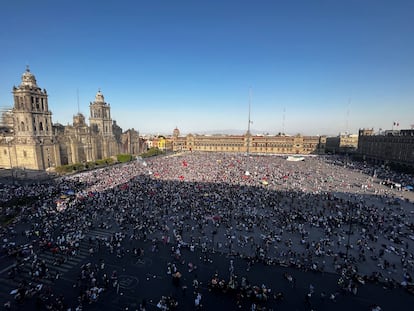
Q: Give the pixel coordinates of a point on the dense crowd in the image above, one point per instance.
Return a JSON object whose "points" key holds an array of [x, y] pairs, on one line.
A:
{"points": [[321, 214]]}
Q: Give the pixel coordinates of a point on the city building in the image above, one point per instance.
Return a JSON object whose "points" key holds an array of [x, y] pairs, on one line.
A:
{"points": [[132, 143], [342, 144], [393, 147]]}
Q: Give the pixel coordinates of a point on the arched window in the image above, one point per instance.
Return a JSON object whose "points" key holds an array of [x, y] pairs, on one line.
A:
{"points": [[41, 126], [22, 126]]}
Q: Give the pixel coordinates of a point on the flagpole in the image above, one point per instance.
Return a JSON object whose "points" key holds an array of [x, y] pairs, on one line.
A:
{"points": [[249, 122], [248, 135]]}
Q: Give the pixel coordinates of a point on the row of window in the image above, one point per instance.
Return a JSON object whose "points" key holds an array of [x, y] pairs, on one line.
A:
{"points": [[36, 102], [24, 153], [254, 145], [385, 139], [290, 150], [100, 114], [23, 127], [218, 144]]}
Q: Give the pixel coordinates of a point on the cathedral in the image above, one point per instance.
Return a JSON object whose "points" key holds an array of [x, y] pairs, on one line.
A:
{"points": [[30, 140]]}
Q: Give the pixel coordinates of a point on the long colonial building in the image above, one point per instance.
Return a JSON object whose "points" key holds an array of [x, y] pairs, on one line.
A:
{"points": [[388, 147], [32, 141], [248, 143]]}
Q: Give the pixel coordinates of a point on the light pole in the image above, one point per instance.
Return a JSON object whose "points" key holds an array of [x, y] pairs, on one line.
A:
{"points": [[213, 234], [10, 161], [248, 123], [348, 245]]}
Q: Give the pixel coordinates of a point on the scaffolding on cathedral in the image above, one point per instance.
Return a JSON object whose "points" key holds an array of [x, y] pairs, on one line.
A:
{"points": [[6, 120]]}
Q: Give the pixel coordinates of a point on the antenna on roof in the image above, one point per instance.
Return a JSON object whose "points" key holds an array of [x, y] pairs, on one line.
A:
{"points": [[283, 121], [77, 98], [347, 117], [250, 121]]}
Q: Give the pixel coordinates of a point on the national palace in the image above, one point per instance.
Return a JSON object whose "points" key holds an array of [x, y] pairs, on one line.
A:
{"points": [[248, 143]]}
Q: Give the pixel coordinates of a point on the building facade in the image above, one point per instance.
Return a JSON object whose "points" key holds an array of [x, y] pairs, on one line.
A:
{"points": [[132, 143], [247, 143], [32, 141], [388, 147], [343, 143]]}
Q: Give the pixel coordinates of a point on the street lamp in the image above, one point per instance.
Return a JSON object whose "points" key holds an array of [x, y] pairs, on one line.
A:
{"points": [[213, 234], [348, 245], [10, 161]]}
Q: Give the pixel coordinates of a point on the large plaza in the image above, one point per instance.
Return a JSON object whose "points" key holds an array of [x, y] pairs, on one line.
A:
{"points": [[326, 221]]}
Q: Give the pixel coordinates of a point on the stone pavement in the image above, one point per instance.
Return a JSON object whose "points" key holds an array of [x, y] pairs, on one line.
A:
{"points": [[146, 278]]}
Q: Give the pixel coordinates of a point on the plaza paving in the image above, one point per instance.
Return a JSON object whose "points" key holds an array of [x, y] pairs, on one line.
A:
{"points": [[146, 279]]}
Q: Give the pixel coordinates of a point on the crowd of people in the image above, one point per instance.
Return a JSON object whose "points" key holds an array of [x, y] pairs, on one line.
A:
{"points": [[321, 214]]}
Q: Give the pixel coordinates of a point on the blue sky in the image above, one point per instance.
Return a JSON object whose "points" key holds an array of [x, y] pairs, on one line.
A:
{"points": [[331, 65]]}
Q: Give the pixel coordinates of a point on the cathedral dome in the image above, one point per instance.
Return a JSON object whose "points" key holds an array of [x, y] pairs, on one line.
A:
{"points": [[28, 78], [176, 132]]}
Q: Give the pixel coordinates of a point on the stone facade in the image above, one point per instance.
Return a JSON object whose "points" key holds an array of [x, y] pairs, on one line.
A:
{"points": [[343, 143], [32, 141], [395, 146], [255, 144], [132, 143]]}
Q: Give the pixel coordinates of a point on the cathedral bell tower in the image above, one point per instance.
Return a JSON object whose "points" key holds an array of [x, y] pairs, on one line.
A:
{"points": [[32, 118], [35, 147], [100, 118], [101, 126]]}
